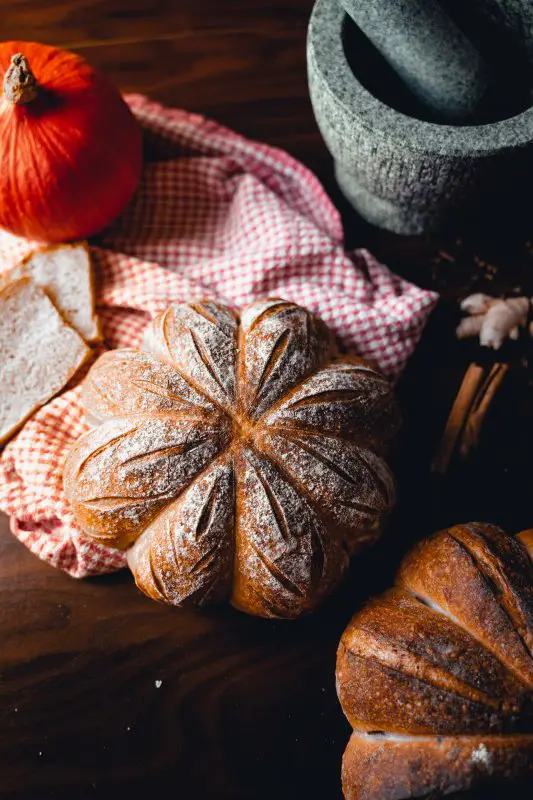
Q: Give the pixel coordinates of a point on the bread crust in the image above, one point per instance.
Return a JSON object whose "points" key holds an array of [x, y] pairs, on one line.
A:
{"points": [[440, 667], [382, 768], [264, 400]]}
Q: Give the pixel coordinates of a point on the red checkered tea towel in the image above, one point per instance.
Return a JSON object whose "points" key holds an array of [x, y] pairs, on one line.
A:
{"points": [[216, 215]]}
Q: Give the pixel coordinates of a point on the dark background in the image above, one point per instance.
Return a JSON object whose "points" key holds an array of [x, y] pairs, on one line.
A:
{"points": [[247, 708]]}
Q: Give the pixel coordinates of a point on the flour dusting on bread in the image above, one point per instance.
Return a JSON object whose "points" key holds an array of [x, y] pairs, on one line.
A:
{"points": [[308, 484]]}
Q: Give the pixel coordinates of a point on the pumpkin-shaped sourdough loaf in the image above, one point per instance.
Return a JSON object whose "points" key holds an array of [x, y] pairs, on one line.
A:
{"points": [[240, 457], [436, 676]]}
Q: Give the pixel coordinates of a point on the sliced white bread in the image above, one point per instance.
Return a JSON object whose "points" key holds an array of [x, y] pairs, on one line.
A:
{"points": [[65, 273], [39, 353]]}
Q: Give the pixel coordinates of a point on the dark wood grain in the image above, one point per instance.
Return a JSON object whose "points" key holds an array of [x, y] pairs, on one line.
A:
{"points": [[242, 63], [246, 708]]}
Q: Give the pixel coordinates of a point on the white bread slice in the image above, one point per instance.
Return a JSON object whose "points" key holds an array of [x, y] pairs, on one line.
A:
{"points": [[65, 273], [39, 353]]}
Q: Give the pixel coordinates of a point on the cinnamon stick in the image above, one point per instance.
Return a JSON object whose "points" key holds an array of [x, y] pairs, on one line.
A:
{"points": [[482, 401], [466, 418]]}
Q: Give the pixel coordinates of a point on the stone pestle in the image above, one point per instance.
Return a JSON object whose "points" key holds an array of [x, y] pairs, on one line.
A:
{"points": [[430, 54]]}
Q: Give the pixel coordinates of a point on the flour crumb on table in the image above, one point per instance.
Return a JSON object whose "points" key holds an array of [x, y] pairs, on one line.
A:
{"points": [[481, 755]]}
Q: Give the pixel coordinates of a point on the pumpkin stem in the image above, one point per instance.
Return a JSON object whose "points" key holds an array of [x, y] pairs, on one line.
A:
{"points": [[20, 85]]}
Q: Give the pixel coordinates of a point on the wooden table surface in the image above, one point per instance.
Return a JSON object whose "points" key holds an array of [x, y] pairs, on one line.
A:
{"points": [[104, 693]]}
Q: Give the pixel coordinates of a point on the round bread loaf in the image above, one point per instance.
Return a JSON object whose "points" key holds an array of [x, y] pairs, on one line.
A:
{"points": [[436, 676], [235, 458]]}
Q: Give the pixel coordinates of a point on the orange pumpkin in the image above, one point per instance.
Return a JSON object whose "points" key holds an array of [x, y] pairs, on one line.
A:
{"points": [[70, 148]]}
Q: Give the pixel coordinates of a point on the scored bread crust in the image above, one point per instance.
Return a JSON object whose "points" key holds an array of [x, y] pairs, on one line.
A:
{"points": [[394, 768], [436, 675], [236, 458]]}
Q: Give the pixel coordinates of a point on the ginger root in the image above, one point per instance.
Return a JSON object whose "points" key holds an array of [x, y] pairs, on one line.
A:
{"points": [[493, 319]]}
